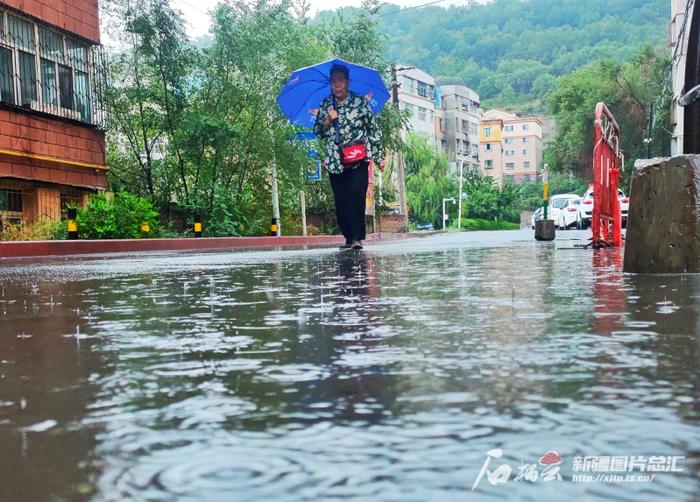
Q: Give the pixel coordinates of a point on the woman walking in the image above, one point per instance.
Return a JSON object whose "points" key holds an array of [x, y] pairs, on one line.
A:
{"points": [[349, 129]]}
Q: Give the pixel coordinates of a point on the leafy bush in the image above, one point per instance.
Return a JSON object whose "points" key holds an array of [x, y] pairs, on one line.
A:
{"points": [[43, 230], [117, 217]]}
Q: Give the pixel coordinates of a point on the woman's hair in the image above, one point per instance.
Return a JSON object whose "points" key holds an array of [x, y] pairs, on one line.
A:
{"points": [[339, 68]]}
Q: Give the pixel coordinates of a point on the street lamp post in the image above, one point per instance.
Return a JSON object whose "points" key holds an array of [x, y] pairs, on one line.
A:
{"points": [[459, 207], [545, 183], [444, 214]]}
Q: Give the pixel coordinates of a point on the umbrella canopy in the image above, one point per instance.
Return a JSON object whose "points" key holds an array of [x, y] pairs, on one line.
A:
{"points": [[307, 87]]}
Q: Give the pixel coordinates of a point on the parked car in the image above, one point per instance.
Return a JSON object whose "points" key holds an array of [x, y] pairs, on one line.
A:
{"points": [[586, 208], [563, 209]]}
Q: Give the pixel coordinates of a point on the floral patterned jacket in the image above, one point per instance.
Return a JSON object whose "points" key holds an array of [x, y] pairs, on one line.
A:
{"points": [[356, 121]]}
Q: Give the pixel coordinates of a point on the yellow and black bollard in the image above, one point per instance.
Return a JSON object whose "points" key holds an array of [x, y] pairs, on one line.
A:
{"points": [[273, 227], [72, 224], [197, 226]]}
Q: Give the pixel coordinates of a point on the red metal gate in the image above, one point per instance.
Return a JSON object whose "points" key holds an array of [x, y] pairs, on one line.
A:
{"points": [[606, 221]]}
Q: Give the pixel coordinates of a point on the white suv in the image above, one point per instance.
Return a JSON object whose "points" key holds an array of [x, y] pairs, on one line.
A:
{"points": [[563, 209]]}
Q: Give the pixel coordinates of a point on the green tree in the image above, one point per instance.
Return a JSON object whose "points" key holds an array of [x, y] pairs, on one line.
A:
{"points": [[630, 90], [428, 181]]}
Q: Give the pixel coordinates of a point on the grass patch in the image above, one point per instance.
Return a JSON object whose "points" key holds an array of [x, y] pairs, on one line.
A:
{"points": [[473, 224]]}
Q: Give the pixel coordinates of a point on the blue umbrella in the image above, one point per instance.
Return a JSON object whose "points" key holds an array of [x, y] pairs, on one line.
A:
{"points": [[307, 87]]}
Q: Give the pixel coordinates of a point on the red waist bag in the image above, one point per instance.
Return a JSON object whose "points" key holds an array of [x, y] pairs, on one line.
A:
{"points": [[352, 152]]}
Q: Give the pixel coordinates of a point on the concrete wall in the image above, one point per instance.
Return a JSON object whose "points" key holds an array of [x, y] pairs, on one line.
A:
{"points": [[393, 223]]}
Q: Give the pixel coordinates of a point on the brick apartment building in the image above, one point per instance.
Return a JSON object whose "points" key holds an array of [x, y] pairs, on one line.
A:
{"points": [[52, 119]]}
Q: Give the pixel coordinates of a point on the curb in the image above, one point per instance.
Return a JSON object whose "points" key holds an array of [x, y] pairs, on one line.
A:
{"points": [[30, 249]]}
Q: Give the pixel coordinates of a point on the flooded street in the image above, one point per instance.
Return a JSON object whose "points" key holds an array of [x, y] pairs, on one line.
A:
{"points": [[314, 374]]}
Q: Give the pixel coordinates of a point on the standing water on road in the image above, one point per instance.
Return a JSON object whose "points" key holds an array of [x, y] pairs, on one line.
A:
{"points": [[382, 375]]}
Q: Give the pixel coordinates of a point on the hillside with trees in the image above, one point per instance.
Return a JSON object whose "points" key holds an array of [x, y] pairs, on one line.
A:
{"points": [[512, 51]]}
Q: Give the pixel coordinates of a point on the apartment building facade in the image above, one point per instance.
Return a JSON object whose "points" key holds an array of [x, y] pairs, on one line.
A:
{"points": [[418, 94], [52, 116], [511, 147], [460, 133]]}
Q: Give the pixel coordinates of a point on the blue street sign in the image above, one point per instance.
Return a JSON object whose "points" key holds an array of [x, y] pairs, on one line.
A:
{"points": [[314, 175], [307, 139]]}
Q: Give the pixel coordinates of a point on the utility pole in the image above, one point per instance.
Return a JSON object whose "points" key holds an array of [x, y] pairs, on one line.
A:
{"points": [[276, 226], [649, 131], [399, 155], [303, 213], [275, 197]]}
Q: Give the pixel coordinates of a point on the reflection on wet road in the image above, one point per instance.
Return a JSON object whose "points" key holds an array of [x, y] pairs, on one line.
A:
{"points": [[315, 374]]}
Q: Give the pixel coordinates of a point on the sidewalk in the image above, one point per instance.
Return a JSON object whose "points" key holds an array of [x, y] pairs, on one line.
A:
{"points": [[109, 246]]}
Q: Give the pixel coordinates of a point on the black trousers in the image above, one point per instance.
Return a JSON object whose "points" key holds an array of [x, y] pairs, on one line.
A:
{"points": [[349, 191]]}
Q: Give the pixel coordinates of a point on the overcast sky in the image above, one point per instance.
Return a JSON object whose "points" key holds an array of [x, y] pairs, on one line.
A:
{"points": [[196, 11]]}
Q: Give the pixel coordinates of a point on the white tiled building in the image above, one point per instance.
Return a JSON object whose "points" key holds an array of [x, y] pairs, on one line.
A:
{"points": [[417, 94]]}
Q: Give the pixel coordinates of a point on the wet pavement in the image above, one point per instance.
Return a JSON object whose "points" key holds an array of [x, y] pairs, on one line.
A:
{"points": [[386, 374]]}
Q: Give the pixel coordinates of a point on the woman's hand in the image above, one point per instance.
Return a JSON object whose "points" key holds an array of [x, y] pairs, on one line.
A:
{"points": [[331, 117]]}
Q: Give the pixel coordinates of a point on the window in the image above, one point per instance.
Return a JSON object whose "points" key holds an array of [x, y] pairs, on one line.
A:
{"points": [[27, 78], [526, 140], [526, 165], [488, 147], [473, 129], [475, 150], [526, 127], [65, 86], [421, 113], [422, 89], [509, 128], [487, 132], [408, 85], [509, 141], [48, 71], [20, 32], [527, 178], [49, 91], [510, 153], [465, 125], [7, 88], [509, 178], [510, 165], [489, 164], [10, 200], [526, 152]]}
